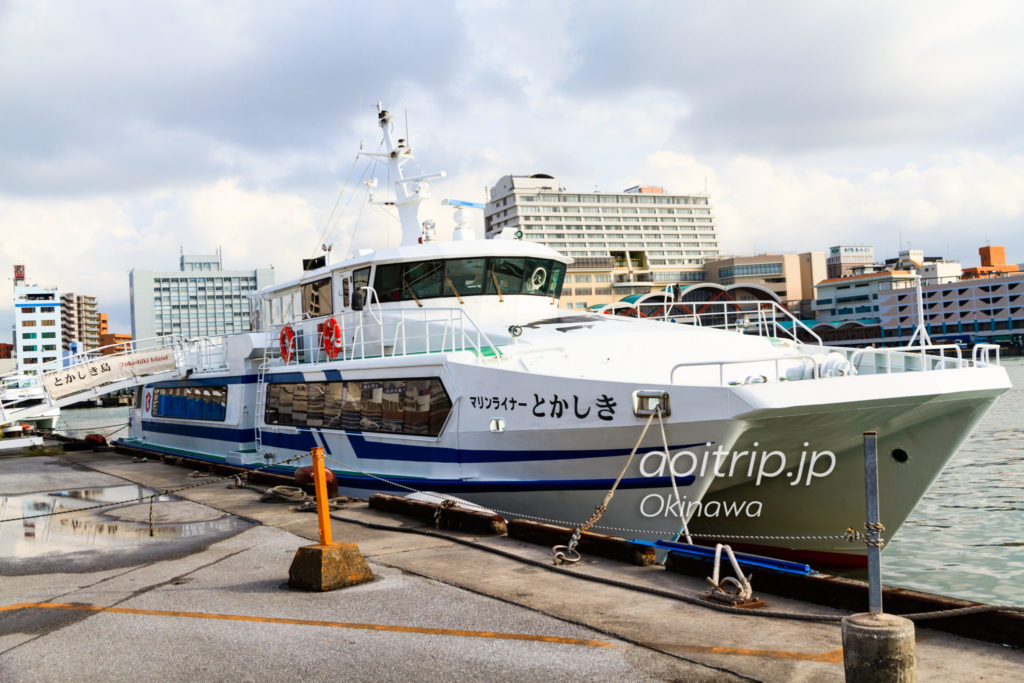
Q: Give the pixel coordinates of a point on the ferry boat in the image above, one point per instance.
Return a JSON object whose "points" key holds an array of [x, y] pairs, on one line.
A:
{"points": [[446, 366]]}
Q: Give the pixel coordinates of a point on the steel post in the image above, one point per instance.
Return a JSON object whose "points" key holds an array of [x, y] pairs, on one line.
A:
{"points": [[873, 532]]}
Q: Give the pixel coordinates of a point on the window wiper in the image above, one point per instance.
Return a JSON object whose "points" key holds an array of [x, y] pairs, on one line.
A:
{"points": [[450, 284], [497, 287]]}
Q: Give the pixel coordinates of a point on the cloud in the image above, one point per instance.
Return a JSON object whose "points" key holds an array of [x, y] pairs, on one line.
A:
{"points": [[111, 96], [132, 130], [88, 246]]}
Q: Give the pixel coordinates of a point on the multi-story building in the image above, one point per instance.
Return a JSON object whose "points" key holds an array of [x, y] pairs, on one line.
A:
{"points": [[79, 321], [991, 308], [201, 299], [843, 260], [37, 326], [791, 277], [624, 243]]}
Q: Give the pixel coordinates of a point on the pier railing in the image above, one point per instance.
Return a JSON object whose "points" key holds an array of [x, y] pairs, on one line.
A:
{"points": [[376, 332]]}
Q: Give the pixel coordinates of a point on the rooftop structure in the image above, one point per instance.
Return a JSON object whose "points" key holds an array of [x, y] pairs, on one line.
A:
{"points": [[843, 259], [993, 262]]}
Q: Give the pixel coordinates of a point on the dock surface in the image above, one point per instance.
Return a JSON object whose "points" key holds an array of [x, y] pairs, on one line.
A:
{"points": [[477, 608]]}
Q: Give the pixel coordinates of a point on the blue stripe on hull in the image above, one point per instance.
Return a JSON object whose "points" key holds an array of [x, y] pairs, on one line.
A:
{"points": [[365, 449], [455, 486]]}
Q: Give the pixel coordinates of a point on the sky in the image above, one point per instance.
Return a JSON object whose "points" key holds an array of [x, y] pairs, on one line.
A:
{"points": [[132, 131]]}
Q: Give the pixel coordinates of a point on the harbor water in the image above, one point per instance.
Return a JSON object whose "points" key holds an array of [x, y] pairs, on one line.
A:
{"points": [[964, 539]]}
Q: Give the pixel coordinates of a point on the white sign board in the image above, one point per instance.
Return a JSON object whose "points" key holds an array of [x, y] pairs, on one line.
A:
{"points": [[94, 373]]}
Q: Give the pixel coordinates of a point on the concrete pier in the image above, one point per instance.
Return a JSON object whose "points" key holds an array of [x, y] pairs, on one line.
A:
{"points": [[439, 608]]}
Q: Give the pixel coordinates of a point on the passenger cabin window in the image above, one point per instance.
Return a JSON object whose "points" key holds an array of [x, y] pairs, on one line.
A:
{"points": [[191, 403], [408, 406], [469, 277]]}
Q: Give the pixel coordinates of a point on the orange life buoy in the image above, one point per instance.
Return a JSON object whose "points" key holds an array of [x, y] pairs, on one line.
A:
{"points": [[287, 341], [332, 341]]}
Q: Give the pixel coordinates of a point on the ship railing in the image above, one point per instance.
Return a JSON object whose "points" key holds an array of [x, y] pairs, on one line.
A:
{"points": [[380, 333], [982, 354], [904, 358], [204, 354], [836, 362], [760, 317]]}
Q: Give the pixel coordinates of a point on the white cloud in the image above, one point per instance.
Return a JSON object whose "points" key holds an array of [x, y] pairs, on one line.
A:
{"points": [[936, 205], [132, 130]]}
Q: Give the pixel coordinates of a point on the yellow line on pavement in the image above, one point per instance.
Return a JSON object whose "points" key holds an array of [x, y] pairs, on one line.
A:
{"points": [[311, 622], [832, 656]]}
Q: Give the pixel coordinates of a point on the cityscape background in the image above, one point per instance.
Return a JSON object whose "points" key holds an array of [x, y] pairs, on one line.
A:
{"points": [[134, 132]]}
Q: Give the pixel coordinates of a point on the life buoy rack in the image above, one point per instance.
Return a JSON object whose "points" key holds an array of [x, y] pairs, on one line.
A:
{"points": [[287, 342], [332, 338]]}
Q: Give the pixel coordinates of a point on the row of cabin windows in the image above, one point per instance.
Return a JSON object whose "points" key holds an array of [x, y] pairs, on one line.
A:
{"points": [[468, 277], [410, 406], [191, 403]]}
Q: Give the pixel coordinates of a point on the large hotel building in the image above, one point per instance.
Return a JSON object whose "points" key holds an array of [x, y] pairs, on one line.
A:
{"points": [[631, 242], [202, 299]]}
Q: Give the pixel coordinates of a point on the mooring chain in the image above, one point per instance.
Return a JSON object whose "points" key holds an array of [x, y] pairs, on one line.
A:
{"points": [[873, 537], [568, 553]]}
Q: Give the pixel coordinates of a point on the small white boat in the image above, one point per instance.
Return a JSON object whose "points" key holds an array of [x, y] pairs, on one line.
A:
{"points": [[19, 391]]}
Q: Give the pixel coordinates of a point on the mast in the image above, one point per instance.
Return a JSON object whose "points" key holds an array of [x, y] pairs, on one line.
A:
{"points": [[409, 191]]}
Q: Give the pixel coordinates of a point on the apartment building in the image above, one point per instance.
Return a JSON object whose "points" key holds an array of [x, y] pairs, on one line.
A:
{"points": [[79, 321]]}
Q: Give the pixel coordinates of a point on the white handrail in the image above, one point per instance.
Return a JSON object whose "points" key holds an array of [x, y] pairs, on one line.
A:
{"points": [[815, 371]]}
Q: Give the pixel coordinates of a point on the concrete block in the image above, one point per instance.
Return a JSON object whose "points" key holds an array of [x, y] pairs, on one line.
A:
{"points": [[328, 567], [879, 647]]}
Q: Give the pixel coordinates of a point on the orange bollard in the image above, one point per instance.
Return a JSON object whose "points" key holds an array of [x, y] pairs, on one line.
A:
{"points": [[320, 482], [327, 565]]}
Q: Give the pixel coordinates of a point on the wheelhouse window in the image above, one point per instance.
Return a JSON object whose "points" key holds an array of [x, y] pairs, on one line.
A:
{"points": [[316, 298], [191, 403], [408, 406], [468, 277]]}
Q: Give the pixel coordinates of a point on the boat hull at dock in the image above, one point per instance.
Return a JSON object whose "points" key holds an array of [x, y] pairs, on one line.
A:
{"points": [[807, 505], [538, 448]]}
